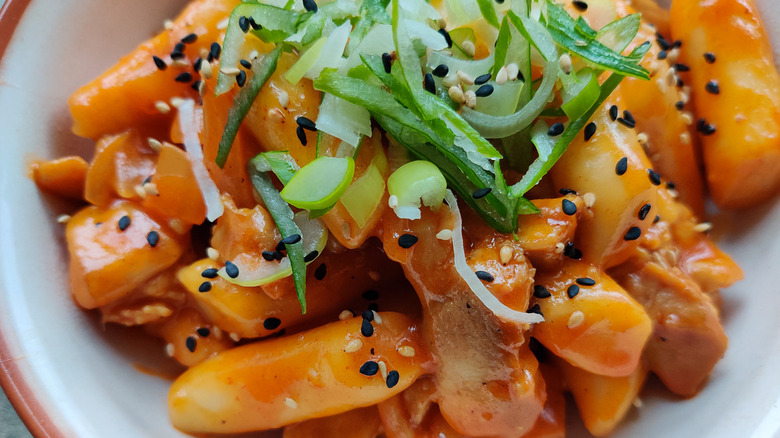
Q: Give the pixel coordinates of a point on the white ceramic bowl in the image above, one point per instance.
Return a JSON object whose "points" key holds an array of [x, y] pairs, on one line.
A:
{"points": [[68, 376]]}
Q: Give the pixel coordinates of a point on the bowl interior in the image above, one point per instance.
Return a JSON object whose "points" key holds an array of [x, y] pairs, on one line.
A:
{"points": [[71, 376]]}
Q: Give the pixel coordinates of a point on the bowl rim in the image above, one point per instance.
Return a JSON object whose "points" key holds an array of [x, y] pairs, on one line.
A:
{"points": [[19, 392]]}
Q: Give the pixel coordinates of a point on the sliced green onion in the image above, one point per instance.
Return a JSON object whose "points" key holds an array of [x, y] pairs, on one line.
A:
{"points": [[618, 34], [371, 12], [488, 12], [580, 91], [296, 72], [283, 216], [503, 41], [319, 184], [363, 197], [413, 183], [261, 71], [503, 101], [314, 237], [282, 164]]}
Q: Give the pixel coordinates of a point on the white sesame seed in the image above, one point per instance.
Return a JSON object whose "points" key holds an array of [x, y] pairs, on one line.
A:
{"points": [[253, 55], [139, 190], [642, 138], [512, 70], [202, 88], [204, 53], [178, 226], [564, 62], [212, 253], [468, 47], [406, 351], [685, 96], [502, 76], [442, 23], [471, 99], [382, 369], [589, 199], [673, 55], [205, 69], [168, 24], [353, 346], [177, 101], [63, 218], [456, 94], [162, 107], [450, 80], [151, 189], [687, 118], [345, 314], [671, 78], [284, 99], [580, 43], [154, 144], [465, 77], [702, 227], [181, 62], [392, 201], [230, 71], [170, 349], [685, 138], [673, 193], [637, 403], [377, 318], [373, 275], [506, 254], [576, 319], [234, 337], [275, 115], [445, 234], [290, 403], [559, 247], [223, 24], [217, 332]]}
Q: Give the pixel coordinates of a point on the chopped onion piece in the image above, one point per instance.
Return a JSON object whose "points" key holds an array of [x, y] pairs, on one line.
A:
{"points": [[415, 183], [332, 51], [377, 41], [498, 308], [365, 194], [429, 37], [192, 145], [343, 120]]}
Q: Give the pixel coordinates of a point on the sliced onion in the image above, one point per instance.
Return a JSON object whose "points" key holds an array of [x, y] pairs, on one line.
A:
{"points": [[429, 37], [504, 126], [314, 237], [473, 68], [332, 51], [498, 308], [377, 41], [343, 120], [192, 145], [419, 9]]}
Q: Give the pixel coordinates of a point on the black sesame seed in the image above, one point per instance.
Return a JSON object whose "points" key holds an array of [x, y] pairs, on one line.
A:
{"points": [[370, 295], [246, 64], [484, 91], [572, 291], [643, 212], [441, 70], [278, 255], [662, 55], [712, 87], [255, 25], [195, 85], [655, 178], [707, 129], [676, 44], [481, 193], [310, 5], [633, 233], [387, 62], [535, 309], [191, 343], [613, 112], [628, 116], [203, 332], [670, 185], [485, 276], [590, 129], [124, 222], [179, 48], [291, 239], [197, 64], [243, 23], [268, 255], [429, 84], [626, 123], [311, 256], [662, 43], [656, 219], [482, 79], [541, 291], [301, 135], [321, 271], [161, 65], [183, 77], [210, 273], [622, 166], [231, 269], [370, 368], [241, 78], [374, 307], [153, 238], [572, 252], [681, 67], [565, 192], [569, 208], [306, 123], [556, 129], [215, 50], [204, 287], [366, 329], [680, 83], [580, 5], [189, 39], [500, 2], [271, 323], [392, 378], [407, 240], [368, 315], [679, 105], [447, 37], [586, 281], [709, 57], [520, 76]]}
